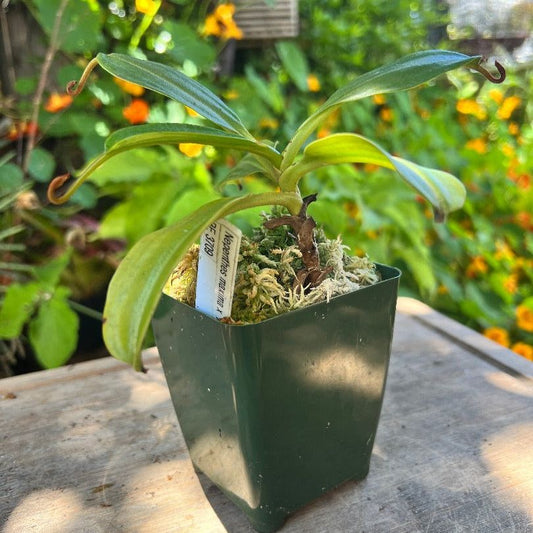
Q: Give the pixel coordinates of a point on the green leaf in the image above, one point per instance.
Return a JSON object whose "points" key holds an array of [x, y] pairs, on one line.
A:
{"points": [[294, 62], [442, 190], [80, 24], [136, 286], [173, 84], [156, 134], [17, 307], [48, 275], [42, 165], [249, 165], [406, 73], [186, 44], [11, 178], [188, 202], [53, 333]]}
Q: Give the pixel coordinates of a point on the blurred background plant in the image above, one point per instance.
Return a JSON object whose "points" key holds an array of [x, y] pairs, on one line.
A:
{"points": [[55, 263]]}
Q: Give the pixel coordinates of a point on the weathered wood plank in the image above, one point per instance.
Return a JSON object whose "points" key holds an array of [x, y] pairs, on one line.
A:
{"points": [[97, 447]]}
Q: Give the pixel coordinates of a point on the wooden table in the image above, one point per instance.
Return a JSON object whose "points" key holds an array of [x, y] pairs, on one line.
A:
{"points": [[96, 447]]}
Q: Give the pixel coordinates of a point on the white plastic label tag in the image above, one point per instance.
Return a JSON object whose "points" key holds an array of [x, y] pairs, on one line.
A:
{"points": [[217, 267]]}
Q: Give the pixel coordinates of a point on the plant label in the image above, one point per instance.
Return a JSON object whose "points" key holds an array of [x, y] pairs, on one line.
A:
{"points": [[217, 267]]}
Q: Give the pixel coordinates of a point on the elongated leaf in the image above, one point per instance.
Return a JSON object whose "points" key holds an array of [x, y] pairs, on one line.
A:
{"points": [[250, 165], [136, 286], [154, 134], [406, 73], [157, 134], [444, 191], [173, 84]]}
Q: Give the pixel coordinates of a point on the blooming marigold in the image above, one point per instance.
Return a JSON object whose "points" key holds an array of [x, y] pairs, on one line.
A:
{"points": [[508, 106], [496, 95], [498, 335], [137, 112], [477, 145], [312, 83], [148, 7], [471, 107], [128, 87], [524, 317], [510, 283], [57, 102], [190, 149], [524, 220], [18, 130], [220, 23], [386, 114], [478, 265], [379, 99], [514, 128], [523, 349]]}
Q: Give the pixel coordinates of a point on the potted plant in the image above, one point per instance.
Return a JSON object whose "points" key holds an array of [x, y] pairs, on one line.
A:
{"points": [[279, 411]]}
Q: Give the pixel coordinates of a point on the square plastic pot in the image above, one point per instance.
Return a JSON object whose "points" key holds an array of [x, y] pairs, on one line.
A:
{"points": [[280, 412]]}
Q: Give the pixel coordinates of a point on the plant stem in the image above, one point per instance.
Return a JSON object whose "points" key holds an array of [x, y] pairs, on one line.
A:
{"points": [[87, 311], [43, 76]]}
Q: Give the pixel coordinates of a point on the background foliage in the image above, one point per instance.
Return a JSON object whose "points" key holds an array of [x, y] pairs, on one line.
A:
{"points": [[55, 263]]}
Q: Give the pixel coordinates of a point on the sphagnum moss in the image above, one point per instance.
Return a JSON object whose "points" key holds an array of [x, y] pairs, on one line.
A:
{"points": [[266, 273]]}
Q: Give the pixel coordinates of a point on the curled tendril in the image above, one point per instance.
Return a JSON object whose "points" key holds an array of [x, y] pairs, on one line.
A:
{"points": [[55, 184], [75, 87], [488, 75]]}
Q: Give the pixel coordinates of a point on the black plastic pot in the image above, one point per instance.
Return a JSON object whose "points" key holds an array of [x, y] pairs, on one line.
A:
{"points": [[280, 412]]}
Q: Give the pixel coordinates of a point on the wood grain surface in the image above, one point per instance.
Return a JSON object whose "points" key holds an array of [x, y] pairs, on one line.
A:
{"points": [[96, 447]]}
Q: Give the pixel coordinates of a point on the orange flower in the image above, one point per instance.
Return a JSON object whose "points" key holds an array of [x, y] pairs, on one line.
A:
{"points": [[503, 251], [128, 87], [524, 318], [523, 181], [478, 265], [18, 130], [477, 145], [137, 112], [498, 335], [323, 132], [514, 128], [148, 7], [312, 83], [221, 24], [190, 149], [57, 102], [386, 114], [524, 220], [379, 99], [511, 283], [508, 106], [523, 349], [471, 107]]}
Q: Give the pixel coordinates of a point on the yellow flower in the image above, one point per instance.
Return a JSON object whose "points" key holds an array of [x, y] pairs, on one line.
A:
{"points": [[477, 145], [503, 251], [523, 349], [137, 112], [511, 283], [498, 335], [268, 122], [220, 23], [212, 26], [148, 7], [471, 107], [496, 95], [508, 150], [231, 94], [514, 128], [386, 114], [478, 265], [191, 112], [323, 132], [378, 99], [57, 102], [524, 317], [508, 106], [128, 87], [190, 149], [312, 83]]}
